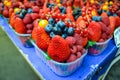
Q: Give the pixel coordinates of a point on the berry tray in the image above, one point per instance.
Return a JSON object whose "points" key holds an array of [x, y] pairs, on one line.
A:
{"points": [[25, 38], [99, 47], [61, 69]]}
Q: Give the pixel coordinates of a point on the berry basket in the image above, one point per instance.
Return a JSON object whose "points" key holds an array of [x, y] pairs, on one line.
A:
{"points": [[98, 47], [25, 38], [61, 69]]}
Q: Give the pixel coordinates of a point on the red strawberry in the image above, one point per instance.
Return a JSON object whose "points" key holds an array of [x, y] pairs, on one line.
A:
{"points": [[27, 19], [117, 21], [10, 11], [12, 20], [59, 49], [81, 24], [112, 24], [78, 19], [70, 17], [94, 31], [42, 39], [34, 16], [34, 34], [84, 42], [35, 9], [20, 26]]}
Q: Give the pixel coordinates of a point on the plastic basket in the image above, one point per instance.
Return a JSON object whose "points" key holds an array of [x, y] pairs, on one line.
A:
{"points": [[99, 47], [25, 38], [61, 69]]}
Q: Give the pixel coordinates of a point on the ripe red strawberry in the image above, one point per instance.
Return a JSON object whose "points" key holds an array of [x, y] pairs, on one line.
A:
{"points": [[10, 11], [112, 24], [117, 21], [35, 9], [34, 34], [42, 39], [34, 16], [12, 20], [58, 49], [81, 24], [27, 19], [20, 26], [94, 31]]}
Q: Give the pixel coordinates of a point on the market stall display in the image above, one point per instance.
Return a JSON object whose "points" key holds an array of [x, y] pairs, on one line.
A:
{"points": [[62, 32]]}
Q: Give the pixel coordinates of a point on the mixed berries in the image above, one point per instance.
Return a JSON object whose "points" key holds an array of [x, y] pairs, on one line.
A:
{"points": [[63, 28]]}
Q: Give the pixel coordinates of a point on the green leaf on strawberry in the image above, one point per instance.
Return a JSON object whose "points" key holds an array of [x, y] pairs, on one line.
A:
{"points": [[90, 43], [47, 57]]}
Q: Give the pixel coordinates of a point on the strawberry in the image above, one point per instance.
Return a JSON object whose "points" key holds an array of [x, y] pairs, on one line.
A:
{"points": [[112, 24], [78, 19], [94, 31], [42, 39], [69, 9], [20, 26], [34, 34], [12, 20], [117, 21], [70, 17], [58, 49], [84, 42], [27, 19], [10, 11], [34, 16], [81, 24]]}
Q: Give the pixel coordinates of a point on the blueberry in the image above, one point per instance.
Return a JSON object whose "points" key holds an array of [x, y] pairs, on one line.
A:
{"points": [[61, 24], [51, 21], [17, 12], [64, 35], [48, 28], [61, 8], [52, 34], [65, 30], [114, 14], [64, 11], [57, 30], [70, 31], [99, 18], [30, 10], [109, 13], [21, 16], [94, 18], [24, 11]]}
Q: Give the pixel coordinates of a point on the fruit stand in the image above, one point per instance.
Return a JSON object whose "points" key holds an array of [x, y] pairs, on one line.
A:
{"points": [[91, 68], [65, 39]]}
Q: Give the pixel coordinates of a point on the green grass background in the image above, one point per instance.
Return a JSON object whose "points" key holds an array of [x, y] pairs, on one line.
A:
{"points": [[12, 64]]}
